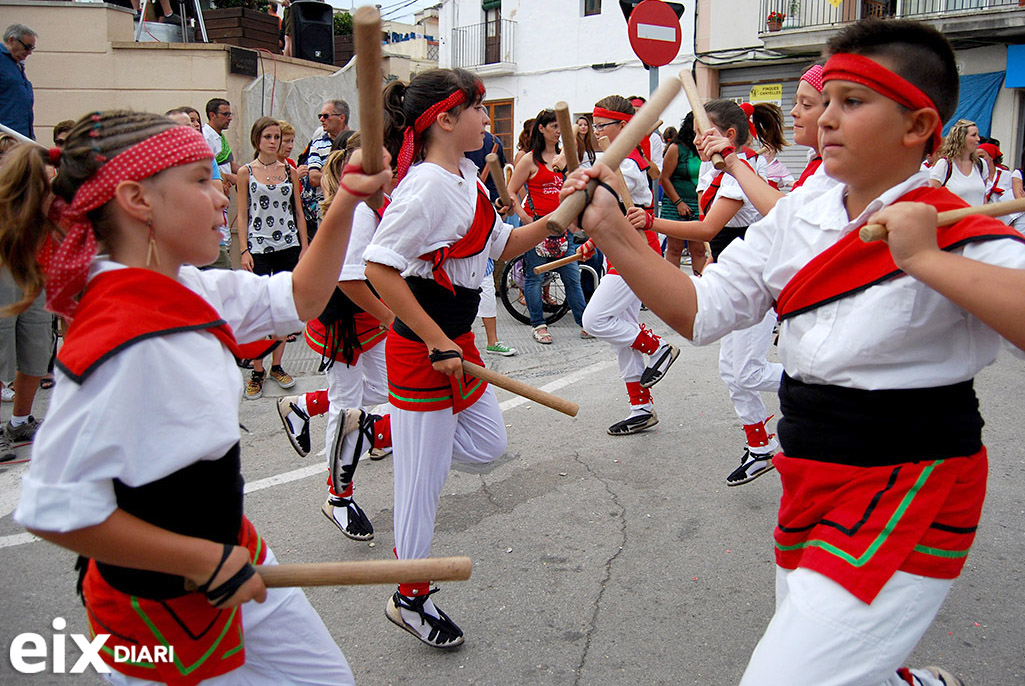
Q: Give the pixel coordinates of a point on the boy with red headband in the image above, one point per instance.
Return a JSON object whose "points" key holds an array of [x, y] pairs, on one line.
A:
{"points": [[873, 526]]}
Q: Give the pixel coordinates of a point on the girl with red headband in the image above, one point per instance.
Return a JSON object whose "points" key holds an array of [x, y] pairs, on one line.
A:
{"points": [[874, 523], [132, 208], [726, 212], [427, 260], [613, 314]]}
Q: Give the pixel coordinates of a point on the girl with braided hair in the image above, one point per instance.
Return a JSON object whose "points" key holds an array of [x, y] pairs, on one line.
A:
{"points": [[427, 260], [131, 209]]}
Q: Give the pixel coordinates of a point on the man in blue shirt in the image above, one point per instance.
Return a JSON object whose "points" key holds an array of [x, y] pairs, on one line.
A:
{"points": [[16, 97]]}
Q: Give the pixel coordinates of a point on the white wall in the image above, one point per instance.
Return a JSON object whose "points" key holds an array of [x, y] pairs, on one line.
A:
{"points": [[555, 48], [735, 23]]}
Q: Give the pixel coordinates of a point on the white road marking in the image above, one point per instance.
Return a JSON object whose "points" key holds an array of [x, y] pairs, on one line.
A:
{"points": [[318, 469]]}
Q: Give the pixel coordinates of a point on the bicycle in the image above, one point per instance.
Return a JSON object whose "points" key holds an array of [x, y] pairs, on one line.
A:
{"points": [[555, 303]]}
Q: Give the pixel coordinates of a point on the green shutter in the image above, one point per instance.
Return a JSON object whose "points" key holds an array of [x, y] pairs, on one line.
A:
{"points": [[491, 4]]}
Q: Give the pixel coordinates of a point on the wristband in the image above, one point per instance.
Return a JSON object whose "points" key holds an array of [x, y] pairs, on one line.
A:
{"points": [[355, 194], [587, 200], [223, 592], [649, 220], [439, 355], [244, 251], [224, 558], [728, 151], [677, 203]]}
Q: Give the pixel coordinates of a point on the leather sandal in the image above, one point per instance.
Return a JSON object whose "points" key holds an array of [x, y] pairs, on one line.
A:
{"points": [[541, 334]]}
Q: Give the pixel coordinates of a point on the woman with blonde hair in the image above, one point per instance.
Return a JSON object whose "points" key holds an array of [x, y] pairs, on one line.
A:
{"points": [[958, 166]]}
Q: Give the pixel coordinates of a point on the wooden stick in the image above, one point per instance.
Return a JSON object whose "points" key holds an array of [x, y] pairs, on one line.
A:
{"points": [[877, 232], [561, 262], [632, 134], [519, 388], [654, 128], [366, 29], [701, 121], [368, 572], [499, 178], [569, 137], [624, 190]]}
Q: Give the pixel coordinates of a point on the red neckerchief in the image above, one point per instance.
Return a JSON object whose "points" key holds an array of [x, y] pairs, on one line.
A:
{"points": [[122, 307], [812, 167], [850, 265], [995, 190], [475, 240], [708, 196], [638, 157]]}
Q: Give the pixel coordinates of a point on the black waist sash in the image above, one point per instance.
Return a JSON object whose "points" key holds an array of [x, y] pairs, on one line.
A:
{"points": [[726, 235], [453, 313], [202, 500], [876, 428]]}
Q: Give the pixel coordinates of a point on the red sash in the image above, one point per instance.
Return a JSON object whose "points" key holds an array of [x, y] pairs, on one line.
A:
{"points": [[368, 332], [859, 525], [207, 641], [812, 167], [122, 307], [637, 157], [414, 385], [850, 266], [475, 240], [708, 197]]}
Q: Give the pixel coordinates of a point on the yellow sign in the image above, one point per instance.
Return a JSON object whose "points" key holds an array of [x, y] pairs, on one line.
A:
{"points": [[835, 3], [769, 92]]}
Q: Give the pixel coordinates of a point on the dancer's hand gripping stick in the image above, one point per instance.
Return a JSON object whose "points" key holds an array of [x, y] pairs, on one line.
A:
{"points": [[877, 232], [495, 171]]}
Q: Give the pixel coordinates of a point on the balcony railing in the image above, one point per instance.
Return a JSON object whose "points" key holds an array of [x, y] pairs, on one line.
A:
{"points": [[813, 14], [484, 44]]}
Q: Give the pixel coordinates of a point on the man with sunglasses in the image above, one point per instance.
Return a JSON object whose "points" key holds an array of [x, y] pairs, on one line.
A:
{"points": [[334, 118], [16, 96], [218, 119]]}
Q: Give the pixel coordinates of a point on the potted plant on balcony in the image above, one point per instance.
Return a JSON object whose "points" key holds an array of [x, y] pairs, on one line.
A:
{"points": [[793, 20], [775, 20]]}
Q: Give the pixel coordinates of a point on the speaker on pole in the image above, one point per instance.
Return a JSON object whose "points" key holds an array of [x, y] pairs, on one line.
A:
{"points": [[314, 31]]}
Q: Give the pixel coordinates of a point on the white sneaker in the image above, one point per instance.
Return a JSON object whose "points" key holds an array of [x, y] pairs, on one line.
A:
{"points": [[7, 395], [420, 617]]}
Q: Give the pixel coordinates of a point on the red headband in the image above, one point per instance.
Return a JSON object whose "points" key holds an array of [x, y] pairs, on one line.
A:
{"points": [[65, 264], [869, 73], [611, 114], [749, 110], [991, 150], [413, 135], [813, 77]]}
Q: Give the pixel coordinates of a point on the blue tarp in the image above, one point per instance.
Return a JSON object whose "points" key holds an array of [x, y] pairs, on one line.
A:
{"points": [[1015, 66], [978, 95]]}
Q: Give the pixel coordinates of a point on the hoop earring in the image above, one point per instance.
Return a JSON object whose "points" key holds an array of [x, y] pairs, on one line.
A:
{"points": [[151, 252]]}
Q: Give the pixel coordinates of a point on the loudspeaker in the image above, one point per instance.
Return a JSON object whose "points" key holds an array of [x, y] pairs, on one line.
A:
{"points": [[314, 37]]}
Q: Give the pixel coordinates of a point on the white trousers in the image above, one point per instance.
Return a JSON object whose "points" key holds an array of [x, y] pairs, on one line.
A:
{"points": [[821, 635], [424, 444], [363, 384], [613, 316], [286, 644], [488, 304], [746, 372]]}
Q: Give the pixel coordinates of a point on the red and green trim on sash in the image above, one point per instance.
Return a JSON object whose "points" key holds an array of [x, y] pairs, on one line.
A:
{"points": [[859, 525], [368, 332], [850, 265], [207, 641], [414, 385]]}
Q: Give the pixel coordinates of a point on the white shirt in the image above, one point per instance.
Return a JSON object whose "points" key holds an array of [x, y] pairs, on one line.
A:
{"points": [[729, 188], [636, 182], [971, 188], [430, 209], [1002, 180], [213, 139], [364, 224], [898, 334], [152, 409], [658, 149]]}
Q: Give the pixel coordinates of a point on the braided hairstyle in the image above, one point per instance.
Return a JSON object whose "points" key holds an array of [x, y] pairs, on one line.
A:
{"points": [[25, 188]]}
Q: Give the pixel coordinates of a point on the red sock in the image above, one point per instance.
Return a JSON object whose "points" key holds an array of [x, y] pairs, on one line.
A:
{"points": [[757, 437], [647, 342], [638, 395], [317, 403], [905, 674], [414, 590], [382, 432]]}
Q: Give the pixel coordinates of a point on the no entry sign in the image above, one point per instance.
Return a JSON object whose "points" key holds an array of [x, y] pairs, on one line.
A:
{"points": [[655, 33]]}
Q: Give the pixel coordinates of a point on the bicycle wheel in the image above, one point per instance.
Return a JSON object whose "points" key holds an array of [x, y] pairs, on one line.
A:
{"points": [[510, 290], [588, 281]]}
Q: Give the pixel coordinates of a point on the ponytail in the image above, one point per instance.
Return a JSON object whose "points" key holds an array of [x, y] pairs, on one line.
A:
{"points": [[24, 196], [768, 122]]}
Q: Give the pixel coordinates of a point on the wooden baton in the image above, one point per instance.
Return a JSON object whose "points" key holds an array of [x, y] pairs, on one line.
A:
{"points": [[495, 170], [569, 137], [624, 191], [632, 134], [366, 29], [519, 388], [701, 121], [367, 572], [877, 232], [561, 262]]}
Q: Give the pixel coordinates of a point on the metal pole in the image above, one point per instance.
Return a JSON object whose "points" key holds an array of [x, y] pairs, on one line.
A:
{"points": [[652, 79]]}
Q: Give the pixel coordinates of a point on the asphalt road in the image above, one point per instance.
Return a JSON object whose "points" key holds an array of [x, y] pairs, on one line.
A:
{"points": [[597, 560]]}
